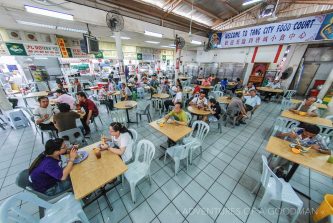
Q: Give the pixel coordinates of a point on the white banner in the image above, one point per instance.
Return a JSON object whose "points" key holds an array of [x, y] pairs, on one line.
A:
{"points": [[291, 31], [42, 50]]}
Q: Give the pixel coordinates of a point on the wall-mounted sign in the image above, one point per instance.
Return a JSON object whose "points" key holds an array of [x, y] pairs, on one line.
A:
{"points": [[99, 55], [77, 53], [139, 56], [326, 29], [164, 57], [16, 49], [62, 46], [42, 50]]}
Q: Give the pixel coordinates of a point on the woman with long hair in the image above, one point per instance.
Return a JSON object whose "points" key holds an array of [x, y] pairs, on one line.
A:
{"points": [[46, 173], [122, 140]]}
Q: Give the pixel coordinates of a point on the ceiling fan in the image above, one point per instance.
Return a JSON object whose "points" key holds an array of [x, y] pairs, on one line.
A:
{"points": [[269, 11]]}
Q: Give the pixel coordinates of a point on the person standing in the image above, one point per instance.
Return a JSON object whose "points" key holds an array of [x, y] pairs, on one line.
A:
{"points": [[90, 109]]}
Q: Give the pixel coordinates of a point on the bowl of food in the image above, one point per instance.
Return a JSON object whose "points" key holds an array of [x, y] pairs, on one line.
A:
{"points": [[295, 150], [302, 113]]}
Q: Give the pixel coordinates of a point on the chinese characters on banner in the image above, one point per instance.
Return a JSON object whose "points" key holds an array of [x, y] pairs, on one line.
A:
{"points": [[62, 46], [42, 50], [291, 31]]}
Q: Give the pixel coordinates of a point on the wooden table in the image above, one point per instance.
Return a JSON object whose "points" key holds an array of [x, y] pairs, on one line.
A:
{"points": [[161, 96], [172, 131], [224, 100], [232, 83], [318, 105], [206, 87], [312, 159], [307, 119], [93, 174], [194, 110], [269, 89], [126, 105], [114, 94]]}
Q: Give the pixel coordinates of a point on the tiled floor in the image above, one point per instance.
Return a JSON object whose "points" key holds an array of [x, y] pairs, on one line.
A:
{"points": [[216, 188]]}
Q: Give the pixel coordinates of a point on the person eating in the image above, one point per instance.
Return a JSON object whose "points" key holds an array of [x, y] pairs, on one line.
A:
{"points": [[126, 93], [46, 173], [199, 101], [65, 119], [206, 82], [62, 97], [178, 114], [236, 104], [215, 110], [307, 106], [90, 109], [43, 114], [178, 98], [122, 140]]}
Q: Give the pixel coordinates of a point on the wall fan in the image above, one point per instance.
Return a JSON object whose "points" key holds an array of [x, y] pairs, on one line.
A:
{"points": [[286, 73], [115, 21], [179, 42]]}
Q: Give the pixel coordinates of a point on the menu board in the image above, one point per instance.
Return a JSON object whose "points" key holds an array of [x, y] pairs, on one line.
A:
{"points": [[42, 50]]}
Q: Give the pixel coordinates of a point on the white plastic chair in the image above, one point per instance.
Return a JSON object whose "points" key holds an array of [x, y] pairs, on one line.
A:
{"points": [[140, 92], [217, 87], [178, 153], [288, 94], [330, 117], [284, 125], [140, 168], [135, 139], [326, 133], [197, 138], [286, 104], [119, 116], [277, 189], [74, 136], [217, 94], [189, 117], [66, 209]]}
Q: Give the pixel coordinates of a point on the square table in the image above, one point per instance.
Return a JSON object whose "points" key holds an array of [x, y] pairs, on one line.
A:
{"points": [[318, 105], [93, 174], [172, 131], [307, 119]]}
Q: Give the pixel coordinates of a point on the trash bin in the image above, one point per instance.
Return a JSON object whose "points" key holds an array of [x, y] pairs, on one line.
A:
{"points": [[325, 208]]}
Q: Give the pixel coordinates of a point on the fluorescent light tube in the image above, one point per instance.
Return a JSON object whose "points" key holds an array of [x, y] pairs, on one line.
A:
{"points": [[122, 37], [46, 12], [167, 46], [196, 42], [251, 2], [153, 42], [41, 58], [148, 33], [71, 29], [35, 24]]}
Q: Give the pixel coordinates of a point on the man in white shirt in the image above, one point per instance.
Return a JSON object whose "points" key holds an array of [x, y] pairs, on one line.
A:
{"points": [[178, 98], [62, 97], [126, 93], [43, 114], [200, 101], [252, 101], [307, 106]]}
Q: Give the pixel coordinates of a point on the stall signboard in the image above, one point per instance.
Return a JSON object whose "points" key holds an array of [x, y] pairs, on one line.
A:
{"points": [[70, 53], [16, 49], [139, 56], [3, 50], [164, 57], [110, 54], [42, 50], [99, 55], [62, 46], [326, 29], [78, 53]]}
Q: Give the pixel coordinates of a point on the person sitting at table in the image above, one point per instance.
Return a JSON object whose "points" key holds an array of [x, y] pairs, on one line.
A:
{"points": [[43, 113], [224, 84], [200, 101], [65, 119], [275, 84], [236, 104], [308, 136], [252, 101], [62, 97], [154, 84], [239, 85], [77, 85], [90, 109], [249, 86], [205, 82], [215, 109], [178, 98], [306, 106], [196, 88], [165, 86], [122, 140], [46, 173], [178, 114], [60, 86], [179, 83], [126, 93], [210, 78], [104, 98]]}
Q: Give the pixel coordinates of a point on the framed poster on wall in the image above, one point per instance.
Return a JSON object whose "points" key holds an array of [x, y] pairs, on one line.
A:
{"points": [[258, 73]]}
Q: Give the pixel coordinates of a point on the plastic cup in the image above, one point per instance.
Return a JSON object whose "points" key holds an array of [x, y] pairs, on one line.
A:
{"points": [[98, 153]]}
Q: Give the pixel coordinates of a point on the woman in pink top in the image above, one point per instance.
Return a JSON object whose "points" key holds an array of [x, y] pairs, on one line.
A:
{"points": [[205, 82], [65, 98]]}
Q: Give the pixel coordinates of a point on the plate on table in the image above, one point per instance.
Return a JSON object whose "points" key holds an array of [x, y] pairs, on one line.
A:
{"points": [[81, 155]]}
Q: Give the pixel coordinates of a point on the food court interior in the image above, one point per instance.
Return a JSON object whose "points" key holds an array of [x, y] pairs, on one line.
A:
{"points": [[166, 111]]}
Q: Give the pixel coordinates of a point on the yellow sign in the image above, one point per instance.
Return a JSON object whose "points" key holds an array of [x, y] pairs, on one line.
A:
{"points": [[62, 46]]}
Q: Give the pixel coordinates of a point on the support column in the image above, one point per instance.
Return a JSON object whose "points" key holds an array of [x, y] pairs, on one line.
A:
{"points": [[120, 56]]}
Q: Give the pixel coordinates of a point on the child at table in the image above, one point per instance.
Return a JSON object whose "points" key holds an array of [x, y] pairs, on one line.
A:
{"points": [[122, 140], [308, 136]]}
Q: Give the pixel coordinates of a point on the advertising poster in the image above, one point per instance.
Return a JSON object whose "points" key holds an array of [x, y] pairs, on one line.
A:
{"points": [[16, 49], [215, 40], [326, 29]]}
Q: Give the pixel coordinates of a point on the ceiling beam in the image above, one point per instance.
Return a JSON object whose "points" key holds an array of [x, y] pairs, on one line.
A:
{"points": [[173, 5], [311, 2], [202, 10], [230, 7]]}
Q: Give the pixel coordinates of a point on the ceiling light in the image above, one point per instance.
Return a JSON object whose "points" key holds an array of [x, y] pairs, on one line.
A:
{"points": [[168, 46], [72, 30], [122, 37], [251, 2], [148, 33], [46, 12], [153, 42], [35, 24], [196, 42], [41, 58]]}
